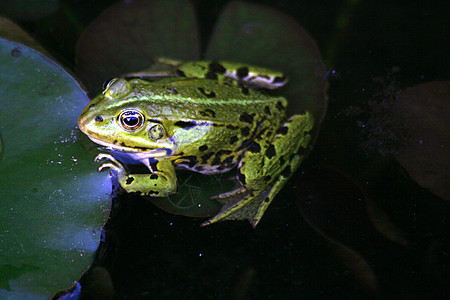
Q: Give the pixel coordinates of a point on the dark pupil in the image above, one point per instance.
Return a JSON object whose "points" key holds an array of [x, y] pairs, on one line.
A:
{"points": [[131, 121]]}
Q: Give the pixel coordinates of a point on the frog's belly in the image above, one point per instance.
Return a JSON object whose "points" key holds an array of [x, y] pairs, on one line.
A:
{"points": [[212, 165], [208, 170]]}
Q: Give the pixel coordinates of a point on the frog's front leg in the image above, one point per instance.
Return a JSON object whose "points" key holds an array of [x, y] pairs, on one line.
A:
{"points": [[263, 173], [161, 182]]}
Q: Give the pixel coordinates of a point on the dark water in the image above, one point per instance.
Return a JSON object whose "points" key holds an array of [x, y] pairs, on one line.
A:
{"points": [[352, 223]]}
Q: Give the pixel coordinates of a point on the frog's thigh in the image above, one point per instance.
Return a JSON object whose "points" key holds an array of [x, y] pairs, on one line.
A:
{"points": [[160, 183], [279, 158]]}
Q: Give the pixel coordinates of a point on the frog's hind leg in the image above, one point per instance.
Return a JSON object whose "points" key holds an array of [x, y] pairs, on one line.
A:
{"points": [[291, 145], [265, 172]]}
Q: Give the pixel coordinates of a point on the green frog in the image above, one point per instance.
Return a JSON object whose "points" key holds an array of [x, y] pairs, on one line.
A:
{"points": [[205, 116]]}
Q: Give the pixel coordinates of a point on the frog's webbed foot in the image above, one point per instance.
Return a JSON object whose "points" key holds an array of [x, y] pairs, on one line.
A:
{"points": [[240, 204]]}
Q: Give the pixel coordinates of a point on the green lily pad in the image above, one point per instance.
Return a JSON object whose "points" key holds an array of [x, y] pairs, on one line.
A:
{"points": [[128, 35], [424, 111], [52, 203], [263, 36]]}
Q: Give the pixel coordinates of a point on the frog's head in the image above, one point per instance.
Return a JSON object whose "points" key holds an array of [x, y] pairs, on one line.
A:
{"points": [[115, 119], [124, 119]]}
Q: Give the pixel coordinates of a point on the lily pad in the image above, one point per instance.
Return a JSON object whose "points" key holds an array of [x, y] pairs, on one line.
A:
{"points": [[263, 36], [426, 117], [128, 35], [52, 203]]}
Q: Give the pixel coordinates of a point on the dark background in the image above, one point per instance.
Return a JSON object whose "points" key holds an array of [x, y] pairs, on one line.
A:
{"points": [[384, 47]]}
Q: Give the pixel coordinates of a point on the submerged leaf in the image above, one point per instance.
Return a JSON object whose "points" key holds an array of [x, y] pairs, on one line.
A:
{"points": [[263, 36], [128, 35], [334, 206], [382, 222], [355, 262], [424, 111]]}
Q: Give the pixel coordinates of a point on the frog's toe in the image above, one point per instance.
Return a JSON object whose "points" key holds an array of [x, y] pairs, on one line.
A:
{"points": [[102, 156], [229, 194], [112, 166], [110, 162]]}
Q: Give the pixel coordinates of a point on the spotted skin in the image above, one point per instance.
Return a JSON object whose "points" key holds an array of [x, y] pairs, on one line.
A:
{"points": [[162, 183], [259, 167], [253, 76], [209, 119]]}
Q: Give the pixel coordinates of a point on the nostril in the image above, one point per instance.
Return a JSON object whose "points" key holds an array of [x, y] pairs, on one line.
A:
{"points": [[99, 119]]}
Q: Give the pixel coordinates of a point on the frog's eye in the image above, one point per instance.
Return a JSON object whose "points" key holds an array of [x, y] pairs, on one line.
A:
{"points": [[131, 119], [156, 132]]}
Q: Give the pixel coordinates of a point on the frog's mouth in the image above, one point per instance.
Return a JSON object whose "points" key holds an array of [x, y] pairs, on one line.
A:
{"points": [[139, 153]]}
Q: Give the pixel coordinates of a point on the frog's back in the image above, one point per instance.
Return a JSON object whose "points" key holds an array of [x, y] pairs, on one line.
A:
{"points": [[209, 99]]}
